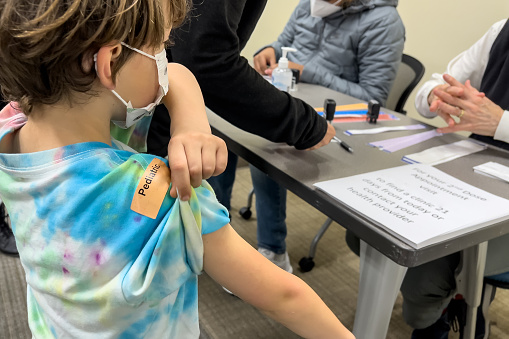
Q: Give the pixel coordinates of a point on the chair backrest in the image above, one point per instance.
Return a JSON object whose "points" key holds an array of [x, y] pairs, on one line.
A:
{"points": [[409, 74]]}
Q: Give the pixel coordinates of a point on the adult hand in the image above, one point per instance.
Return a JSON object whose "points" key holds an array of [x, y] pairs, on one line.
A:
{"points": [[434, 101], [474, 111], [291, 65], [264, 60], [295, 65], [331, 132], [194, 156]]}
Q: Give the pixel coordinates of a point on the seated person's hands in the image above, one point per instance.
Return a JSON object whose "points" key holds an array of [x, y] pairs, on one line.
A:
{"points": [[474, 111], [264, 60], [291, 65], [194, 156]]}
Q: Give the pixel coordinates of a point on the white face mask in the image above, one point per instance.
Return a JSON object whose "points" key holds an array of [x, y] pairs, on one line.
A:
{"points": [[321, 8], [135, 114]]}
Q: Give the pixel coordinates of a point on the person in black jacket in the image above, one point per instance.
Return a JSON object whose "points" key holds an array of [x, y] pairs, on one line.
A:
{"points": [[210, 45], [7, 241]]}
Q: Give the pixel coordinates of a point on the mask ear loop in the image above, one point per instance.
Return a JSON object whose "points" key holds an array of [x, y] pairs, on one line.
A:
{"points": [[116, 94], [129, 105], [139, 51]]}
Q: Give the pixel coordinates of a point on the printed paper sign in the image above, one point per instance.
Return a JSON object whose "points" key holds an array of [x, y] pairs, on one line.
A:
{"points": [[418, 203]]}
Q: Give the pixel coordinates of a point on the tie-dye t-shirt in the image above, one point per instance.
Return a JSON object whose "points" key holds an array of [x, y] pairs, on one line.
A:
{"points": [[94, 267], [134, 136]]}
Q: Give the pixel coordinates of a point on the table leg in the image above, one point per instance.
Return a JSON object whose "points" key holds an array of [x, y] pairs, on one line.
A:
{"points": [[379, 283], [474, 261]]}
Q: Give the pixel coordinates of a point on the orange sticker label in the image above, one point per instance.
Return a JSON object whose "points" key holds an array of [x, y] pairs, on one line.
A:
{"points": [[151, 189]]}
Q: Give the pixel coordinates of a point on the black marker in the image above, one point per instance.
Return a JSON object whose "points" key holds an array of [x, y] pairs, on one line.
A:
{"points": [[329, 108]]}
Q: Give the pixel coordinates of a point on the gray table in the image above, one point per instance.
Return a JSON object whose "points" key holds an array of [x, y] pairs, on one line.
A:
{"points": [[384, 258]]}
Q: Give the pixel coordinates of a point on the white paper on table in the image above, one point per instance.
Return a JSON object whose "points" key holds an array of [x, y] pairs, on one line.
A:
{"points": [[384, 129], [440, 154], [395, 144], [418, 203], [494, 170]]}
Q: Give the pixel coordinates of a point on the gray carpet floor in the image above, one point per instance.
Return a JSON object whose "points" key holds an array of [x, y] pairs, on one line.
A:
{"points": [[222, 316]]}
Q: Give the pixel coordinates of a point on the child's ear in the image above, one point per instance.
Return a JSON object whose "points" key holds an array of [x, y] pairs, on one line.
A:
{"points": [[106, 56]]}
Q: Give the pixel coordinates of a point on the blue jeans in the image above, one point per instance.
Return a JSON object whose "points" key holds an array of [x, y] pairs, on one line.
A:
{"points": [[270, 212], [223, 183]]}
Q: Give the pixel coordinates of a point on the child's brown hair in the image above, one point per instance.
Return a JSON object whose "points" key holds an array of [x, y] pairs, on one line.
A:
{"points": [[43, 44]]}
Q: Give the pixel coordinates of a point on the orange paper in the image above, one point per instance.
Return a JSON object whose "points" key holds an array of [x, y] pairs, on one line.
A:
{"points": [[152, 189]]}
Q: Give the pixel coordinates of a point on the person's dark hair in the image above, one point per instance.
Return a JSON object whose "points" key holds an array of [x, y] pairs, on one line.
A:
{"points": [[43, 43]]}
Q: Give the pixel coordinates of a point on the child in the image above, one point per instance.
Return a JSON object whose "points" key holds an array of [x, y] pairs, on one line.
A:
{"points": [[106, 250]]}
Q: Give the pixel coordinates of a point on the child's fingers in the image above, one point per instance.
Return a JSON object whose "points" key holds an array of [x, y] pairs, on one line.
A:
{"points": [[221, 158], [194, 154], [208, 161], [179, 171], [214, 158]]}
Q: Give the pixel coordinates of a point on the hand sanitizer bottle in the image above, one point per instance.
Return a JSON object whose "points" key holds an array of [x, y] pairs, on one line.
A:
{"points": [[282, 75]]}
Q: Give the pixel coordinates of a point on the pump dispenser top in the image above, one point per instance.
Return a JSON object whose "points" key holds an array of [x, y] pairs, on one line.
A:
{"points": [[283, 61], [282, 75]]}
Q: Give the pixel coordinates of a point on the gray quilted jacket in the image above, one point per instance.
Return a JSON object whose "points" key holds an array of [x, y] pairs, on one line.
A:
{"points": [[355, 51]]}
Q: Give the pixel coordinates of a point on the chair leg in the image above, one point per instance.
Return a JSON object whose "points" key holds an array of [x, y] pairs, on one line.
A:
{"points": [[245, 212], [306, 263]]}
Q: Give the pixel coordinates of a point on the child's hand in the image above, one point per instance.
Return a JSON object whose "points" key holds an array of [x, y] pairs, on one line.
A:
{"points": [[194, 156], [193, 152]]}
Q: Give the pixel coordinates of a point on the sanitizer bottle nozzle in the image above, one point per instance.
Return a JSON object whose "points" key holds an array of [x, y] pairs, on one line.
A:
{"points": [[283, 61]]}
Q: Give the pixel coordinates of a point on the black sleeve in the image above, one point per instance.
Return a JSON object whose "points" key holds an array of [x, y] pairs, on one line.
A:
{"points": [[209, 44]]}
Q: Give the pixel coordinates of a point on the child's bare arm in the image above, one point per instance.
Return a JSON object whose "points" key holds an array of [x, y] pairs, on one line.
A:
{"points": [[193, 152], [236, 265]]}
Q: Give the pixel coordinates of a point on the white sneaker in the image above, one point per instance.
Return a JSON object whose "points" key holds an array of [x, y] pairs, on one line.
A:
{"points": [[281, 260]]}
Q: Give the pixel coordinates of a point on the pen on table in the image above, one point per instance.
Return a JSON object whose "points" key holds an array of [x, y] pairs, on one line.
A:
{"points": [[343, 144], [329, 108]]}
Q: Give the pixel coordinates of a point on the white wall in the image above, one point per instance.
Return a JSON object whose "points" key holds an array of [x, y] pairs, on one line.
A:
{"points": [[436, 30]]}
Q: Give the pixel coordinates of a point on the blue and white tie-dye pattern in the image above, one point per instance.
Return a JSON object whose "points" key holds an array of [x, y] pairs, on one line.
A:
{"points": [[94, 268]]}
